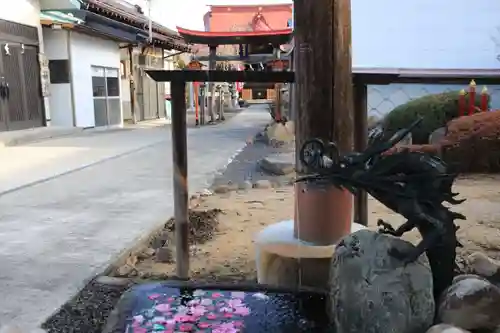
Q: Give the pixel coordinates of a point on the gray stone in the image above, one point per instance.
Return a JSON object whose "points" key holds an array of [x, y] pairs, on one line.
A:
{"points": [[445, 328], [125, 270], [221, 189], [437, 135], [263, 184], [471, 302], [278, 164], [112, 280], [372, 292], [164, 255], [146, 253], [481, 264]]}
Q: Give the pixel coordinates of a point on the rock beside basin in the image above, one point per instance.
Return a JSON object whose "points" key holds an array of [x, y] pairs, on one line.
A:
{"points": [[471, 303], [373, 292]]}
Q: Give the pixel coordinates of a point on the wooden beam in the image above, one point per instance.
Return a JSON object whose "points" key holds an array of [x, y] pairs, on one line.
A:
{"points": [[180, 178], [360, 143], [220, 76]]}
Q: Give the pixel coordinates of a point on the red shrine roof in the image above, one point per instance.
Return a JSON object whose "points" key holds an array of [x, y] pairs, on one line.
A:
{"points": [[276, 37]]}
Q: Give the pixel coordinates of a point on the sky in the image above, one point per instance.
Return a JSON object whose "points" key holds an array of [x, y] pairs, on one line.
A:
{"points": [[189, 13]]}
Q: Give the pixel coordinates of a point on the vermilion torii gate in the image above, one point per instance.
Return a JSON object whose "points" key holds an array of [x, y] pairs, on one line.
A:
{"points": [[255, 47]]}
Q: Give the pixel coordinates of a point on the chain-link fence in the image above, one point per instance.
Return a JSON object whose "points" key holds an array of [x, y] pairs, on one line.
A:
{"points": [[383, 98]]}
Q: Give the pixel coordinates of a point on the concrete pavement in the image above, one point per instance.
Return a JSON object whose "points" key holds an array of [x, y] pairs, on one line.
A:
{"points": [[56, 234]]}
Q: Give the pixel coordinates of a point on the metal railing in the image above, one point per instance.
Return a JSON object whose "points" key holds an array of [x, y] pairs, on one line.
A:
{"points": [[382, 99]]}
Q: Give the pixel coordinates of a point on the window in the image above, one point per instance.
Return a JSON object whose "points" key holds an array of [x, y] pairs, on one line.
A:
{"points": [[106, 91], [59, 71], [112, 83]]}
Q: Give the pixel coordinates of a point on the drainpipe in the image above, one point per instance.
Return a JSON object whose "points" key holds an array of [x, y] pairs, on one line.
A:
{"points": [[71, 77], [132, 83]]}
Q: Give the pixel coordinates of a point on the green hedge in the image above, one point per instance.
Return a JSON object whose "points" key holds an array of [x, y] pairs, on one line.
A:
{"points": [[437, 110]]}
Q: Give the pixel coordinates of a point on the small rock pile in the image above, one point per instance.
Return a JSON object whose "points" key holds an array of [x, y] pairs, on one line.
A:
{"points": [[202, 225], [161, 246]]}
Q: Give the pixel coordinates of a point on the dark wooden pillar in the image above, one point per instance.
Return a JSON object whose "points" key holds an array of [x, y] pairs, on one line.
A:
{"points": [[132, 84], [324, 110], [360, 142], [211, 86], [180, 171], [202, 100]]}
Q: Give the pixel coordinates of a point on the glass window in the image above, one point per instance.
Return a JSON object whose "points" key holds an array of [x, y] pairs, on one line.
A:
{"points": [[113, 82], [100, 112], [99, 86], [59, 71], [113, 85]]}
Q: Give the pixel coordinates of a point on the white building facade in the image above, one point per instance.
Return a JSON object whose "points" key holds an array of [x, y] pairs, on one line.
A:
{"points": [[90, 95]]}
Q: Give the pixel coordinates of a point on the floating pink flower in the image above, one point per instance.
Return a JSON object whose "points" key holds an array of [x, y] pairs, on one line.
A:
{"points": [[139, 330], [216, 295], [183, 318], [234, 303], [139, 319], [211, 316], [154, 296], [170, 299], [238, 294], [170, 323], [206, 302], [193, 302], [228, 315], [225, 328], [199, 292], [238, 323], [198, 310], [163, 307], [204, 325], [242, 311], [159, 320], [226, 309], [186, 328]]}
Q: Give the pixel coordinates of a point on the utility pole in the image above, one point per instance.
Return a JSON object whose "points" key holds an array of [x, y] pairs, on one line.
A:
{"points": [[150, 21], [324, 101]]}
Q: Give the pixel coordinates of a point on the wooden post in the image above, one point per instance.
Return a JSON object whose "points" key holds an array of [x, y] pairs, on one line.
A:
{"points": [[211, 86], [325, 110], [202, 104], [196, 103], [360, 143], [132, 83], [180, 169]]}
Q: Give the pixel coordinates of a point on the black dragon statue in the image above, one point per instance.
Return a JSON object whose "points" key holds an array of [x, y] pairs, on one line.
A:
{"points": [[413, 184]]}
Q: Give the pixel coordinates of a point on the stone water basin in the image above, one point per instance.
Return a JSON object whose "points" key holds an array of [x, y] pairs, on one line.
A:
{"points": [[185, 307]]}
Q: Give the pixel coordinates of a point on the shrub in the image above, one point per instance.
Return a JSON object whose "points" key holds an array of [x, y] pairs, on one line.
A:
{"points": [[472, 144], [437, 110]]}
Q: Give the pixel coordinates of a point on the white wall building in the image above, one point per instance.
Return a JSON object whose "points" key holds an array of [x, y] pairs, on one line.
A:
{"points": [[91, 98]]}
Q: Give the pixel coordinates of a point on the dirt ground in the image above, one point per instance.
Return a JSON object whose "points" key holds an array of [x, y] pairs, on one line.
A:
{"points": [[230, 254]]}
